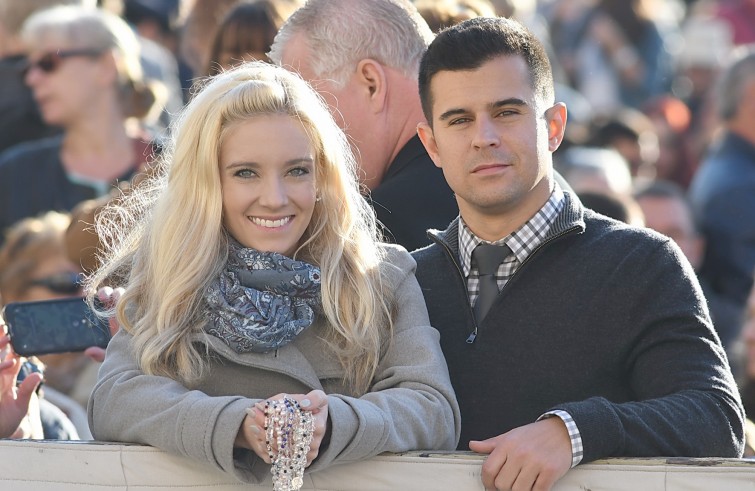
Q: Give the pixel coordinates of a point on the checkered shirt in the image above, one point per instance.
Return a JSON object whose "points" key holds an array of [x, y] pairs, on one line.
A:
{"points": [[521, 242]]}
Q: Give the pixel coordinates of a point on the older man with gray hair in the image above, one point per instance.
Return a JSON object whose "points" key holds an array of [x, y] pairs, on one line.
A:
{"points": [[363, 57]]}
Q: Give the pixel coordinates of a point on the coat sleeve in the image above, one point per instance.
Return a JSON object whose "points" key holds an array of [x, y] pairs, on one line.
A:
{"points": [[411, 404], [127, 405], [686, 400]]}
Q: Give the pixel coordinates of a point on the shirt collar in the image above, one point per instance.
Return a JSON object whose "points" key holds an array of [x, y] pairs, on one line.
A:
{"points": [[523, 240]]}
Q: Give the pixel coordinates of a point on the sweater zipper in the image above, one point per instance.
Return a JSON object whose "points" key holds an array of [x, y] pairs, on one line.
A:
{"points": [[473, 336]]}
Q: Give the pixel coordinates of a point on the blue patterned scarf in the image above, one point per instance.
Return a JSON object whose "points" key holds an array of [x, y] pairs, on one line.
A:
{"points": [[262, 301]]}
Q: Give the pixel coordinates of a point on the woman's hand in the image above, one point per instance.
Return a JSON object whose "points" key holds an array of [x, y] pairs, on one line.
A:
{"points": [[252, 432]]}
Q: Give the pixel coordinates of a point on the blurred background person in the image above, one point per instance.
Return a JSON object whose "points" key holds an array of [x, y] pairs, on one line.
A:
{"points": [[85, 73], [671, 120], [723, 189], [614, 51], [157, 24], [202, 20], [706, 45], [20, 120], [246, 33], [34, 266], [590, 169], [740, 16], [445, 13], [617, 206], [200, 29], [632, 134], [667, 210]]}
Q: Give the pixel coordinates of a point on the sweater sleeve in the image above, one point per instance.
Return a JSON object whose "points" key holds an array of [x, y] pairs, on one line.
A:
{"points": [[127, 405], [686, 402], [411, 404]]}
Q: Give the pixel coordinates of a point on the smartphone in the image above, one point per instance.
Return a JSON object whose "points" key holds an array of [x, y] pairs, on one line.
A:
{"points": [[54, 326]]}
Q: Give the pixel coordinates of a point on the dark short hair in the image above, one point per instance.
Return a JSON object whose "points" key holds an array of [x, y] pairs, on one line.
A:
{"points": [[472, 43]]}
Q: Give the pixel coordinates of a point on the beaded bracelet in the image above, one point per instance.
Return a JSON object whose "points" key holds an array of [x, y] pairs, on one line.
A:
{"points": [[291, 429]]}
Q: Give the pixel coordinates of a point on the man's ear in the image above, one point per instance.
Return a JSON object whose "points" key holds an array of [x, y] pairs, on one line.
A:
{"points": [[555, 116], [426, 135], [371, 75]]}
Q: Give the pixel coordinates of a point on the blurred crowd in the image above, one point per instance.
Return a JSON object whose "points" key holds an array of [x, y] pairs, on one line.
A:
{"points": [[660, 133]]}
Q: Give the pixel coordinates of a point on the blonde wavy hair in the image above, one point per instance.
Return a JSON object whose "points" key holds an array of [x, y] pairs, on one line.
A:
{"points": [[165, 242]]}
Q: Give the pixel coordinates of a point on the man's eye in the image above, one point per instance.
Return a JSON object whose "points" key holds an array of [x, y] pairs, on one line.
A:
{"points": [[506, 112], [458, 121]]}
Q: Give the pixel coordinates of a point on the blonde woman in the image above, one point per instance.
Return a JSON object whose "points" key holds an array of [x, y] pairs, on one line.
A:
{"points": [[252, 269], [84, 71]]}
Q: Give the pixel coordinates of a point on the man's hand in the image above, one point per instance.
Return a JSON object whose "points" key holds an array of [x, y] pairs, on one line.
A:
{"points": [[531, 457]]}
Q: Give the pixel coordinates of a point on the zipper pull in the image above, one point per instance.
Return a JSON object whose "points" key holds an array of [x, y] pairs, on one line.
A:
{"points": [[472, 336]]}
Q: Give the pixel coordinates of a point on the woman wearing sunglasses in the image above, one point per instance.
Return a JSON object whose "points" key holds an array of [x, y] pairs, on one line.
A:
{"points": [[85, 74]]}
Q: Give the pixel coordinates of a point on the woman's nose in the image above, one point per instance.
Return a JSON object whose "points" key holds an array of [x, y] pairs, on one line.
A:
{"points": [[274, 194]]}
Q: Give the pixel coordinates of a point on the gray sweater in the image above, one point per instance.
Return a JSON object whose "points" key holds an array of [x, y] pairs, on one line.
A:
{"points": [[409, 406]]}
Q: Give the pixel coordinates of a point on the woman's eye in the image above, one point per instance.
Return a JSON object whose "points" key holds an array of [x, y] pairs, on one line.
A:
{"points": [[244, 173], [299, 171]]}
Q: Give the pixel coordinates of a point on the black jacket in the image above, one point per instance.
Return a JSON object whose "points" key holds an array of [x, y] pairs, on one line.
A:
{"points": [[604, 321], [33, 180], [413, 197]]}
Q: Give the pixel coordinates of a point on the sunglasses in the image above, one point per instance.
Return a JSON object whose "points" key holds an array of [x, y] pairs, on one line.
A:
{"points": [[60, 283], [50, 62]]}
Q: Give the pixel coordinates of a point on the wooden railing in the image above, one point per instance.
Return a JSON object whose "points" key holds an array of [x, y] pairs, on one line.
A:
{"points": [[89, 466]]}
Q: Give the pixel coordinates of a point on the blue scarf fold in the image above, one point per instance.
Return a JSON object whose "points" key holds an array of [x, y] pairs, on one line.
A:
{"points": [[262, 301]]}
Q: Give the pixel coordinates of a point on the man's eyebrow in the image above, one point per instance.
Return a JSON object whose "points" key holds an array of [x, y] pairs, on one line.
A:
{"points": [[451, 113], [511, 101]]}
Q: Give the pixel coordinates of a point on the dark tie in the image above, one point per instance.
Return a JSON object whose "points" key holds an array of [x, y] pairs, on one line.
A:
{"points": [[488, 257]]}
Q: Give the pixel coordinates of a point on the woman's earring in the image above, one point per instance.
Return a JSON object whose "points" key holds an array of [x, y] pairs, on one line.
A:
{"points": [[319, 198]]}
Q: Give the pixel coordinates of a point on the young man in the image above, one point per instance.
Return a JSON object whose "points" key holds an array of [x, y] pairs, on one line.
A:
{"points": [[596, 340]]}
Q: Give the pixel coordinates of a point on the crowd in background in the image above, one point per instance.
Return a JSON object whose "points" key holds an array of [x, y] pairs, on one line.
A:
{"points": [[653, 137]]}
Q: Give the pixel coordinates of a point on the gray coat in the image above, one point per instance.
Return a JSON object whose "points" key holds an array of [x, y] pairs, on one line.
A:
{"points": [[410, 404]]}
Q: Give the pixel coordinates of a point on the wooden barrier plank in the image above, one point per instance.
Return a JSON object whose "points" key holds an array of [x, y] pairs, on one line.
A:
{"points": [[27, 465]]}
